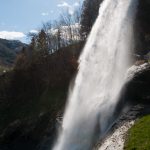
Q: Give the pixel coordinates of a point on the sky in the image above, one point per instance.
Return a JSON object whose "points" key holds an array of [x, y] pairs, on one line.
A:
{"points": [[19, 17]]}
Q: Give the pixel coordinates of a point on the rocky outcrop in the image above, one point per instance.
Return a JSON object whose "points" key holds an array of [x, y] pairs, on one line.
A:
{"points": [[115, 139], [142, 23], [137, 89], [142, 30], [136, 93]]}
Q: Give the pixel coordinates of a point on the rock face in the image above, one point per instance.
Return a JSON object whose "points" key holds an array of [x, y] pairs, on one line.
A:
{"points": [[116, 137], [142, 29], [137, 90]]}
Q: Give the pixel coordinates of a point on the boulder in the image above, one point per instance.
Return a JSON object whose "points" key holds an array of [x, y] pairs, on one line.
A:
{"points": [[137, 88]]}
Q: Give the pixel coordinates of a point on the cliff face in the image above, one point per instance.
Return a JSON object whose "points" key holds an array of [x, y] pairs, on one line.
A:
{"points": [[142, 22], [142, 30], [137, 93], [89, 15], [137, 88]]}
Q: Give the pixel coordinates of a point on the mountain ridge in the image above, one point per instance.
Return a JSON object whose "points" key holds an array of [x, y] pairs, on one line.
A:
{"points": [[9, 50]]}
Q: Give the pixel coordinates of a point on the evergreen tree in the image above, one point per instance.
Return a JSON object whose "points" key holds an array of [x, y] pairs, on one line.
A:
{"points": [[42, 44], [89, 14]]}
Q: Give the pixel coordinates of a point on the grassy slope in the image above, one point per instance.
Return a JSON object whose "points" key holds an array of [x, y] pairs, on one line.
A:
{"points": [[139, 135]]}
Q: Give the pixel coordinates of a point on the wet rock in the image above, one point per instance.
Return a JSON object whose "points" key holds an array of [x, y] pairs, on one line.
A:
{"points": [[137, 89], [115, 139], [136, 92]]}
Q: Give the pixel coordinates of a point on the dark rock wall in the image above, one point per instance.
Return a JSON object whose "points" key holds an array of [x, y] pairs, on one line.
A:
{"points": [[142, 27], [137, 90], [142, 22]]}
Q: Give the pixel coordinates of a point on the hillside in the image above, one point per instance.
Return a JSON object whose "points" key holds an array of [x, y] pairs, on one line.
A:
{"points": [[32, 95], [9, 49]]}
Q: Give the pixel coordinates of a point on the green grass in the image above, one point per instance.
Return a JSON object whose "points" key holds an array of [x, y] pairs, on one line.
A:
{"points": [[139, 135]]}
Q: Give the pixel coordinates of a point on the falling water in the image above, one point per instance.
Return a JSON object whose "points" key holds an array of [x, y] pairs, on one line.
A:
{"points": [[103, 64]]}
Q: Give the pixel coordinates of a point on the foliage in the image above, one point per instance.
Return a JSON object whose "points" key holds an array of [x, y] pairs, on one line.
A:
{"points": [[33, 77], [4, 69], [8, 51], [32, 94], [139, 135], [89, 14], [58, 34]]}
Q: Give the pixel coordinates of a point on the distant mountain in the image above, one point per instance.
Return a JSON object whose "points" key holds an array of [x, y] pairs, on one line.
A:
{"points": [[9, 49]]}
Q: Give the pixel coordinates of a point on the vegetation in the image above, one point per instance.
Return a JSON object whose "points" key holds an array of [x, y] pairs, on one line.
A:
{"points": [[89, 14], [35, 90], [8, 51], [139, 135], [4, 69]]}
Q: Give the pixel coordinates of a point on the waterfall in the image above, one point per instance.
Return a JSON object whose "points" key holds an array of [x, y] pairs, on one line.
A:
{"points": [[103, 64]]}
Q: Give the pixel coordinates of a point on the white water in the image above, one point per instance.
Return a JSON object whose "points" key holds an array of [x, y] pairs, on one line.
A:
{"points": [[116, 139], [100, 78]]}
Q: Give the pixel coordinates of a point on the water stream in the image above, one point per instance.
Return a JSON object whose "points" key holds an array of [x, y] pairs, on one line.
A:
{"points": [[103, 64]]}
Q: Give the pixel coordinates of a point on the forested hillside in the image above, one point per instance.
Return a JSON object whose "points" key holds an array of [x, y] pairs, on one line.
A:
{"points": [[34, 92], [9, 50]]}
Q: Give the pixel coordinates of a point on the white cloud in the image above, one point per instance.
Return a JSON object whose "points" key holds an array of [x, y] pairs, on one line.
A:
{"points": [[70, 8], [44, 13], [33, 31], [12, 35]]}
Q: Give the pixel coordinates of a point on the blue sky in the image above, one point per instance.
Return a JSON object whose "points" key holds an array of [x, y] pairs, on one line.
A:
{"points": [[19, 17]]}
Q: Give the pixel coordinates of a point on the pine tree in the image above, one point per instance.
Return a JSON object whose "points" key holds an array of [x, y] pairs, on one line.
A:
{"points": [[89, 14], [42, 44]]}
